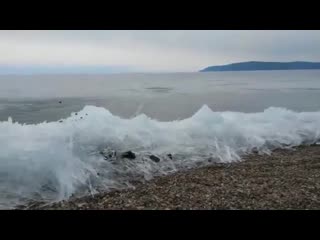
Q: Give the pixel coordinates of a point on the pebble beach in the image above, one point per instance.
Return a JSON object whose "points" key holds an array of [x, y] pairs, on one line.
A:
{"points": [[286, 179]]}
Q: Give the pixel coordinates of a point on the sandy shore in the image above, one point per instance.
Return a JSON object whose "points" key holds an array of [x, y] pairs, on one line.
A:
{"points": [[285, 180]]}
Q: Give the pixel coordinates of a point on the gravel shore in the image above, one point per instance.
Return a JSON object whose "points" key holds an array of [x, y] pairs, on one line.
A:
{"points": [[288, 179]]}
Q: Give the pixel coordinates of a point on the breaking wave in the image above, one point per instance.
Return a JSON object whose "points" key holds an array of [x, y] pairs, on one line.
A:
{"points": [[52, 161]]}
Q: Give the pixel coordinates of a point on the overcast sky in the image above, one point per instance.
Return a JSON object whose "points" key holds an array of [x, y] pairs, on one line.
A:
{"points": [[149, 51]]}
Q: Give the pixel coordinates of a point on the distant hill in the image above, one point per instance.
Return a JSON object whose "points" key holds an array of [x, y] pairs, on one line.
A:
{"points": [[255, 66]]}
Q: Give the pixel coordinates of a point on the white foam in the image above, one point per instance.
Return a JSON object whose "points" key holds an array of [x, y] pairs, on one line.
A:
{"points": [[52, 161]]}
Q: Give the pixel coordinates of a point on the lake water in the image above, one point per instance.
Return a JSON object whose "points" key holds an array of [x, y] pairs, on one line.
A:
{"points": [[31, 99]]}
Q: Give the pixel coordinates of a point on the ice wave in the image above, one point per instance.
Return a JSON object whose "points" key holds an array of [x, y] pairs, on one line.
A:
{"points": [[53, 160]]}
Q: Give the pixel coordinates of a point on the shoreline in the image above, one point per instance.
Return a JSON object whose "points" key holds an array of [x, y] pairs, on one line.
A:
{"points": [[286, 179]]}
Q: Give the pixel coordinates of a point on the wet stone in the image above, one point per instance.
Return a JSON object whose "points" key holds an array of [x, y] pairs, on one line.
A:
{"points": [[128, 155], [154, 158]]}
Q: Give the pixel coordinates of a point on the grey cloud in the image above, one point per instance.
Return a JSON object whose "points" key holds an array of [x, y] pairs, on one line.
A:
{"points": [[156, 50]]}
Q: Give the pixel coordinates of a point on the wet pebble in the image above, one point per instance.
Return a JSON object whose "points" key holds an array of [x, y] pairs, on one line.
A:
{"points": [[128, 155], [154, 158]]}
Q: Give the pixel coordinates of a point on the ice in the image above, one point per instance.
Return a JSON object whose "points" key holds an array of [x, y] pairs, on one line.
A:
{"points": [[53, 160]]}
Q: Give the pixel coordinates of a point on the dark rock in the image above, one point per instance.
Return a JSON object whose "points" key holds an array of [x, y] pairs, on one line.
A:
{"points": [[170, 156], [60, 102], [154, 158], [81, 117], [60, 121], [129, 155], [76, 113]]}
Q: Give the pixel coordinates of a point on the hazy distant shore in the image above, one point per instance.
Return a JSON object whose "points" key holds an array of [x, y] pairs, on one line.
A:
{"points": [[288, 179], [264, 66]]}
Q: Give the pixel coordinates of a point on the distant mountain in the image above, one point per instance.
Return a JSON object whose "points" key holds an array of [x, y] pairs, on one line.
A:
{"points": [[255, 66]]}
